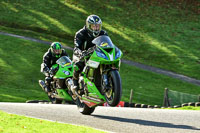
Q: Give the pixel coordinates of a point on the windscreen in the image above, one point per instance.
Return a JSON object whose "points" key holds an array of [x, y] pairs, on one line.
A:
{"points": [[64, 61], [103, 41]]}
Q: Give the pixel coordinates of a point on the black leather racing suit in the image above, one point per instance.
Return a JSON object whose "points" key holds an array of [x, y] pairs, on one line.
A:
{"points": [[48, 60], [83, 41]]}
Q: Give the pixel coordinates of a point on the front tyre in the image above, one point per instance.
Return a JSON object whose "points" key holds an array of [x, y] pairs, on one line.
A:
{"points": [[113, 95], [83, 108]]}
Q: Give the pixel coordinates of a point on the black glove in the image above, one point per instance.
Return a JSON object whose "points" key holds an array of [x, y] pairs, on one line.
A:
{"points": [[84, 53], [53, 71], [91, 50], [46, 71]]}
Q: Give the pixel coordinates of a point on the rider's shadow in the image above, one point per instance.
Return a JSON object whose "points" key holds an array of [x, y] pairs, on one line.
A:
{"points": [[146, 123]]}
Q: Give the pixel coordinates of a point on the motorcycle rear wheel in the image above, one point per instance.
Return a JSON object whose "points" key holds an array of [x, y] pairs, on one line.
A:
{"points": [[55, 100], [83, 108], [113, 96]]}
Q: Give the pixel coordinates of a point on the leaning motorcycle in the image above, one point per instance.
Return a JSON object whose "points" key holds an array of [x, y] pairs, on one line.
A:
{"points": [[100, 80], [61, 73]]}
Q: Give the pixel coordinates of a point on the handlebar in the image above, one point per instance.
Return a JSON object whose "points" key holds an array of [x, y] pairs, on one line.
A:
{"points": [[88, 52]]}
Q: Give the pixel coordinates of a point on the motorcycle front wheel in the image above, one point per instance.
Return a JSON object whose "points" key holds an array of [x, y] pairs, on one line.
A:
{"points": [[113, 95]]}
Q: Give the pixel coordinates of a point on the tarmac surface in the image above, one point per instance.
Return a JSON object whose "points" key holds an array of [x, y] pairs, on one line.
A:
{"points": [[113, 119]]}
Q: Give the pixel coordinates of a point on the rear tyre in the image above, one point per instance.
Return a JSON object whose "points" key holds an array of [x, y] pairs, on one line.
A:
{"points": [[83, 108], [55, 100], [113, 95]]}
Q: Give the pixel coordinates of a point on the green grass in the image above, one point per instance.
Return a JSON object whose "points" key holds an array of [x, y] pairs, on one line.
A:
{"points": [[186, 108], [148, 87], [159, 33], [20, 71], [20, 124]]}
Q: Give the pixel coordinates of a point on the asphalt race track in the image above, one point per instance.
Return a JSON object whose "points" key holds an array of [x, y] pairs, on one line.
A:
{"points": [[113, 119]]}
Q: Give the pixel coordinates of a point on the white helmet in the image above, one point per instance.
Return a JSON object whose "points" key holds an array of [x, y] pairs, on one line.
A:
{"points": [[93, 25]]}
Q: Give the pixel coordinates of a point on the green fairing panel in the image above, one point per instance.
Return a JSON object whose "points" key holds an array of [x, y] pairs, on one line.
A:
{"points": [[93, 91], [55, 66], [106, 52], [65, 68], [64, 72], [94, 57], [84, 98], [63, 94]]}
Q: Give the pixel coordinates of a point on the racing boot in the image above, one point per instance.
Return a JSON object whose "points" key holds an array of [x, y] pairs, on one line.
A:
{"points": [[75, 86], [75, 80], [44, 86], [47, 89]]}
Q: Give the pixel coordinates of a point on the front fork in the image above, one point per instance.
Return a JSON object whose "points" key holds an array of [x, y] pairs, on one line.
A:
{"points": [[105, 83]]}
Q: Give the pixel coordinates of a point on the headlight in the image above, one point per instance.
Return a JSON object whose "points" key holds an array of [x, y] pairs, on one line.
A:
{"points": [[118, 54], [102, 55]]}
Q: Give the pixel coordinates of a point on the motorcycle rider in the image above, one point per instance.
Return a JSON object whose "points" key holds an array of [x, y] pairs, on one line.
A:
{"points": [[50, 57], [83, 41]]}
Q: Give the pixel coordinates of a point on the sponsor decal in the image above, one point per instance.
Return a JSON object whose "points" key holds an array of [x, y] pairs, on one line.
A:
{"points": [[104, 44], [90, 104], [66, 72], [89, 83], [67, 64], [93, 64], [94, 99]]}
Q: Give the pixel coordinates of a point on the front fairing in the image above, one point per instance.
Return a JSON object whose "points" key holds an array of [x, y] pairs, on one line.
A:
{"points": [[65, 68], [105, 52]]}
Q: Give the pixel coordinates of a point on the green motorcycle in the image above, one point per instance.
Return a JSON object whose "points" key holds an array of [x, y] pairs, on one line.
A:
{"points": [[62, 73], [100, 80]]}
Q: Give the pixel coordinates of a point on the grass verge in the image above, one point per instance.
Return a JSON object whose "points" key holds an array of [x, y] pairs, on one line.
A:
{"points": [[20, 124], [148, 87], [186, 108], [163, 34]]}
